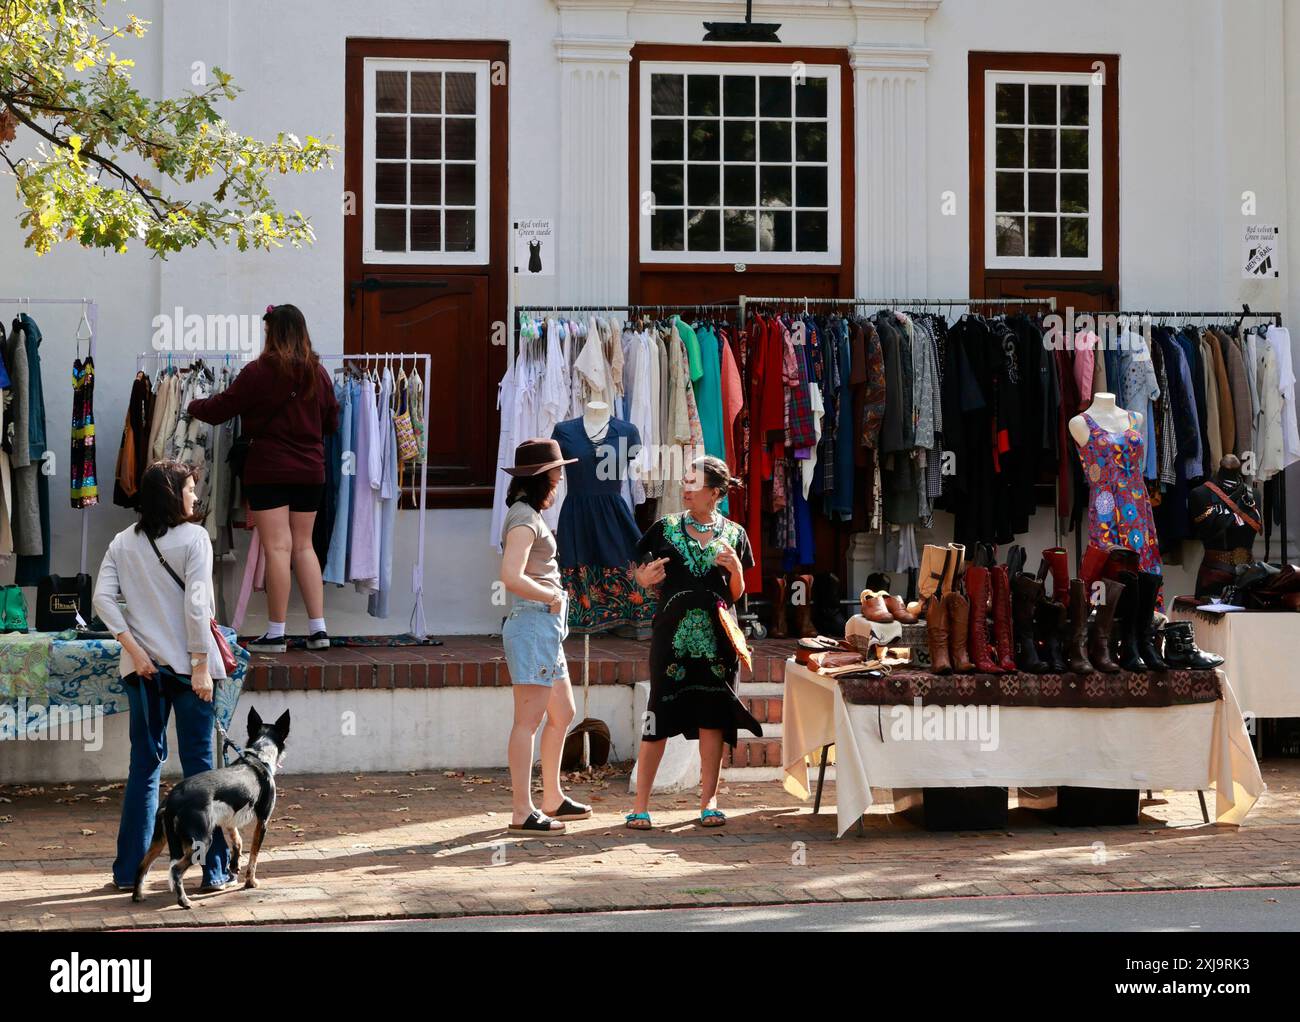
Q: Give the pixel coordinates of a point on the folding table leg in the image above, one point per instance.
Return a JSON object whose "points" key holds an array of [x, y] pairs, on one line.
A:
{"points": [[821, 778], [1205, 813]]}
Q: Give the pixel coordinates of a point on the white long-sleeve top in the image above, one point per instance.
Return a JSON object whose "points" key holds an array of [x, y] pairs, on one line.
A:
{"points": [[168, 623]]}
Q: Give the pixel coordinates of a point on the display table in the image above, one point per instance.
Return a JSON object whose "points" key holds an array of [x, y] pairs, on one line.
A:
{"points": [[1262, 651], [1185, 741]]}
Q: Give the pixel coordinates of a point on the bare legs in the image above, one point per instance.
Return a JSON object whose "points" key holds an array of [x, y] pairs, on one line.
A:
{"points": [[306, 565], [286, 538], [531, 702], [652, 753]]}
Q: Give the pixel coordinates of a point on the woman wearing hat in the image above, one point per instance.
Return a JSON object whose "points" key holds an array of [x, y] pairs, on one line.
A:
{"points": [[533, 637]]}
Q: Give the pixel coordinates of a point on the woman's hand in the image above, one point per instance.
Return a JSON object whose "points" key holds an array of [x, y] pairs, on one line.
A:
{"points": [[140, 660], [556, 604], [728, 559], [651, 574], [201, 682]]}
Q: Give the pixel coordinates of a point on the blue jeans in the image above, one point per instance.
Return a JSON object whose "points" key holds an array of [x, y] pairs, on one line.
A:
{"points": [[152, 703]]}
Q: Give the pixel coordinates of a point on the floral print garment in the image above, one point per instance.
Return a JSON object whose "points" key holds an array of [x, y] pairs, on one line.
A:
{"points": [[1119, 510]]}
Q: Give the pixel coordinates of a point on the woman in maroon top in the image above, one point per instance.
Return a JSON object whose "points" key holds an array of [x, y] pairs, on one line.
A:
{"points": [[286, 406]]}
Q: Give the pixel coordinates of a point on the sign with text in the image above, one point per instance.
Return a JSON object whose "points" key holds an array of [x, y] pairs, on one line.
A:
{"points": [[535, 247], [1259, 251]]}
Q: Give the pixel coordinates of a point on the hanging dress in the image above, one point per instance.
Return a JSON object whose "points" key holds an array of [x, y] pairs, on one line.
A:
{"points": [[85, 487], [1119, 510]]}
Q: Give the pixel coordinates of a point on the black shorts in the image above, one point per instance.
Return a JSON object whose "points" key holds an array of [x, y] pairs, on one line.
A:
{"points": [[299, 497]]}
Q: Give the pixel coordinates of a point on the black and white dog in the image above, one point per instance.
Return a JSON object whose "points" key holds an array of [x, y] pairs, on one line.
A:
{"points": [[229, 798]]}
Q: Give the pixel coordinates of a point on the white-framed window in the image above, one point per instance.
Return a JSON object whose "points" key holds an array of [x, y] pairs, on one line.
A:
{"points": [[740, 163], [426, 161], [1042, 171]]}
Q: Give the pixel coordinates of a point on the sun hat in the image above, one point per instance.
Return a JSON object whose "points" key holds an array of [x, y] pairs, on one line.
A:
{"points": [[535, 456]]}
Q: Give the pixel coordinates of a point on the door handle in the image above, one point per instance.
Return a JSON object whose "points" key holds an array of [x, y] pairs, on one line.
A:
{"points": [[386, 284]]}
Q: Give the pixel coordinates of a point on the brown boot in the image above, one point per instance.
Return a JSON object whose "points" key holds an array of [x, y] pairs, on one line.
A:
{"points": [[874, 609], [1103, 623], [937, 631], [928, 577], [957, 611], [780, 622], [803, 621], [900, 613], [1076, 647], [954, 566]]}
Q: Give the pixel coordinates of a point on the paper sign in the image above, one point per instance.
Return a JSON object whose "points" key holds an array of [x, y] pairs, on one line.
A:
{"points": [[1259, 251], [535, 247]]}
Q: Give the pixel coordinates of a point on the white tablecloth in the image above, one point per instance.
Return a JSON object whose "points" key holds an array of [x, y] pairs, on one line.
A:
{"points": [[1182, 748], [1261, 650]]}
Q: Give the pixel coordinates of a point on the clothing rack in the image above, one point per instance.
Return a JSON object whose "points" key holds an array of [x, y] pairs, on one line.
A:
{"points": [[90, 310], [898, 303]]}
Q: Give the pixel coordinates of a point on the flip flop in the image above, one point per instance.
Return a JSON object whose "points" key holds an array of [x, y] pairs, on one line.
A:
{"points": [[709, 816], [537, 823]]}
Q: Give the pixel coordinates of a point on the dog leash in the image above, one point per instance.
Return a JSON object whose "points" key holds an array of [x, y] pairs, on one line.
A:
{"points": [[226, 743]]}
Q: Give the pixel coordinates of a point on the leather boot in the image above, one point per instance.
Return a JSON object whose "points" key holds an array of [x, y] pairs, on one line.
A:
{"points": [[1049, 627], [957, 611], [954, 566], [1016, 558], [977, 589], [780, 627], [1076, 647], [1181, 651], [803, 621], [1149, 584], [1056, 562], [1103, 624], [900, 613], [936, 629], [1027, 594], [1002, 631], [1124, 635], [929, 578], [874, 609]]}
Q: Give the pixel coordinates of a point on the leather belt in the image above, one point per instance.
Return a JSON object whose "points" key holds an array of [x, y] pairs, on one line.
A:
{"points": [[1238, 555]]}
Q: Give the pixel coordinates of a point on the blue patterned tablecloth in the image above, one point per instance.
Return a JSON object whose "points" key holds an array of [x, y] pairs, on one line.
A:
{"points": [[80, 673]]}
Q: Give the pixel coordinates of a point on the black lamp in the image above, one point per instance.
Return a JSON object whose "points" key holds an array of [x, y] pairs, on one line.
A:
{"points": [[747, 31]]}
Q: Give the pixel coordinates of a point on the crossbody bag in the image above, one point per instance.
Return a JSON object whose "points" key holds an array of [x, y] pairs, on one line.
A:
{"points": [[228, 660]]}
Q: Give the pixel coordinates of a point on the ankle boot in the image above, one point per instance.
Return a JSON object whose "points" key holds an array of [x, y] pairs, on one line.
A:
{"points": [[1076, 647], [1099, 635], [977, 589], [1125, 633], [1056, 562], [1002, 617], [1049, 625], [1027, 593], [803, 622], [1181, 651], [780, 627], [873, 607], [936, 630], [957, 611], [1149, 584]]}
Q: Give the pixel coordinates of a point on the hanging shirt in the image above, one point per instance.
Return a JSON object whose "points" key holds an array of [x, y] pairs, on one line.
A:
{"points": [[1279, 339]]}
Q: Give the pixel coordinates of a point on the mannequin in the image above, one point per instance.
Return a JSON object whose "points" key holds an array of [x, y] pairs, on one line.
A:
{"points": [[1107, 414], [595, 420], [1226, 522]]}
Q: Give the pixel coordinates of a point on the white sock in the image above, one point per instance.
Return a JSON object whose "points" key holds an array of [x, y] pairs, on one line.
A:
{"points": [[315, 624], [275, 629]]}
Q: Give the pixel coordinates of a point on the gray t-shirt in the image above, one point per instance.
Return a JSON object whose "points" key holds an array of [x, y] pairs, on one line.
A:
{"points": [[541, 565]]}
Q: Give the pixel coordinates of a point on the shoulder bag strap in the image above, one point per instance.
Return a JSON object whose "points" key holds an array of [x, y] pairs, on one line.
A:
{"points": [[166, 567]]}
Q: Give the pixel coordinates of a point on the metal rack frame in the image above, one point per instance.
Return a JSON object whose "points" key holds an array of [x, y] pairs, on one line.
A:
{"points": [[895, 303]]}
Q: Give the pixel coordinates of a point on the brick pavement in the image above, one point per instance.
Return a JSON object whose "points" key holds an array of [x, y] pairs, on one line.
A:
{"points": [[433, 844]]}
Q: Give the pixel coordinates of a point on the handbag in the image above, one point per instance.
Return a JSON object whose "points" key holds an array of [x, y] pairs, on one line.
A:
{"points": [[228, 660], [62, 603], [407, 447]]}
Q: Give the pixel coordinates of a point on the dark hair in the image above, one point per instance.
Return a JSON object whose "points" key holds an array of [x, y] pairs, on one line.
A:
{"points": [[717, 476], [161, 497], [288, 347], [535, 490]]}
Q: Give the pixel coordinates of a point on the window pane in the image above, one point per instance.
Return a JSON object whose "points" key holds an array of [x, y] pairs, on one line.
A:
{"points": [[1009, 103], [1010, 192], [390, 93], [426, 93], [667, 185], [704, 230], [390, 138], [738, 186], [426, 138], [738, 141], [702, 185], [774, 96], [1011, 235], [810, 98], [702, 96], [774, 141], [390, 183], [1074, 193], [666, 95], [702, 140], [1042, 104], [390, 230], [1011, 147], [1074, 237], [810, 141], [426, 185], [739, 230], [1042, 193], [810, 186], [774, 231], [1042, 236], [667, 233], [1042, 148], [774, 186], [738, 96], [1074, 104], [666, 140], [460, 229], [1074, 149], [810, 231], [460, 188], [460, 138], [426, 230], [461, 99]]}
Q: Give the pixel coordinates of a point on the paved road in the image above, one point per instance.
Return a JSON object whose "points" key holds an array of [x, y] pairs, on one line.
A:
{"points": [[1232, 910]]}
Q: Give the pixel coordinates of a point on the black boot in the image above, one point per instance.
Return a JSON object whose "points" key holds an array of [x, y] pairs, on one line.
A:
{"points": [[1049, 617], [1026, 594], [828, 615], [1077, 645], [1149, 584], [1181, 651], [1126, 625]]}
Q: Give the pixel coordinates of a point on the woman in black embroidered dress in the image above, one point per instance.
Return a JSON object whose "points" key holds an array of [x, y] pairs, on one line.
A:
{"points": [[700, 558]]}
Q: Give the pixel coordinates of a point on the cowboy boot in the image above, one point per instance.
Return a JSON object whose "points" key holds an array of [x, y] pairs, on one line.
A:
{"points": [[780, 627], [1076, 648], [977, 589], [928, 578], [803, 621], [957, 610], [1049, 625], [1145, 626], [1125, 633], [954, 565], [1002, 617], [1057, 562], [936, 630], [1027, 593], [1099, 635]]}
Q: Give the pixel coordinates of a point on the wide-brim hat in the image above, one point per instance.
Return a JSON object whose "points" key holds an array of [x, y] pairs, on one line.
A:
{"points": [[535, 456]]}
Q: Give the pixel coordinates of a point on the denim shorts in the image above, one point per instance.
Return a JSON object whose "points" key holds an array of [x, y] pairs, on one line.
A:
{"points": [[533, 638]]}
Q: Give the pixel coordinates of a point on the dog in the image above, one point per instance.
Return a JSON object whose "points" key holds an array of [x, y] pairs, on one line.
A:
{"points": [[229, 798]]}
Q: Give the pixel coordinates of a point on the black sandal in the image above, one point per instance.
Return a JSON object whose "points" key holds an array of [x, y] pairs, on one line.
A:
{"points": [[537, 823], [571, 810]]}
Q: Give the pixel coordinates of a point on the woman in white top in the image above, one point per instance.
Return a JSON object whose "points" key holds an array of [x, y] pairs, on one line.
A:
{"points": [[169, 657]]}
